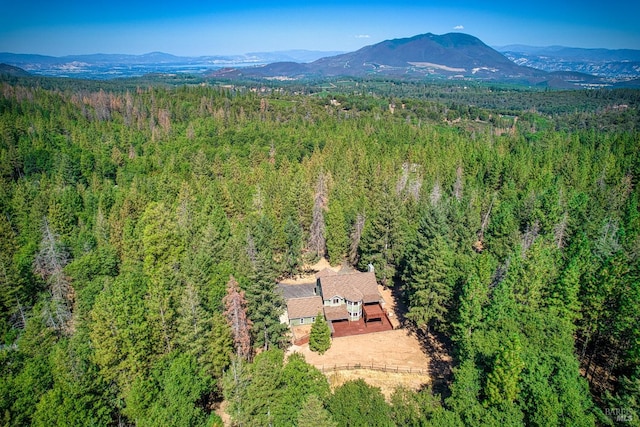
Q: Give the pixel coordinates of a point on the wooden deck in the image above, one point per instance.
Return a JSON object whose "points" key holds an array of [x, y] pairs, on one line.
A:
{"points": [[346, 328]]}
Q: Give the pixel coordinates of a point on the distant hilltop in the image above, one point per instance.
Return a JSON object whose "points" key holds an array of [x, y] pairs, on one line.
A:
{"points": [[10, 70]]}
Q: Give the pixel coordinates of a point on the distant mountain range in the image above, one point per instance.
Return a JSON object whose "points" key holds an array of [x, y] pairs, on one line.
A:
{"points": [[447, 56], [618, 64], [107, 66]]}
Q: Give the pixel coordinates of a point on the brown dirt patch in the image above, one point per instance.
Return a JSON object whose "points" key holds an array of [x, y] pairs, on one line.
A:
{"points": [[398, 348], [311, 270]]}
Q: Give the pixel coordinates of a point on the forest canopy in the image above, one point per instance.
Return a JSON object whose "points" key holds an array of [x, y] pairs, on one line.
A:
{"points": [[144, 227]]}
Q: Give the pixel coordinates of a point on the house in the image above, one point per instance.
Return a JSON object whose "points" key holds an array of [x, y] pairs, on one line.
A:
{"points": [[350, 302], [350, 297], [303, 304]]}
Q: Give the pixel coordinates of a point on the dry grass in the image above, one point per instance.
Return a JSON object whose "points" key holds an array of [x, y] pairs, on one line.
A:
{"points": [[386, 381]]}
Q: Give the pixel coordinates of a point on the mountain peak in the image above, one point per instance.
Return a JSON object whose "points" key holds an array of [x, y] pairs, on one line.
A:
{"points": [[451, 54]]}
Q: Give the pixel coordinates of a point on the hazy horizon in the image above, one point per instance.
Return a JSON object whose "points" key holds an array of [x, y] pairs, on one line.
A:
{"points": [[74, 28]]}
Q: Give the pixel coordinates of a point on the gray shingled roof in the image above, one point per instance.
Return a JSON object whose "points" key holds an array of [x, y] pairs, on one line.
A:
{"points": [[303, 290]]}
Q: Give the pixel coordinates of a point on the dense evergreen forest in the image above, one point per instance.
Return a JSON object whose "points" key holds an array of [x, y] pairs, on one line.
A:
{"points": [[144, 226]]}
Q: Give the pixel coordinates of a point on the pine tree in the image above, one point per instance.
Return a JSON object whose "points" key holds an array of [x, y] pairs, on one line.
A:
{"points": [[170, 396], [382, 240], [162, 249], [299, 379], [356, 403], [12, 285], [320, 337], [313, 414], [293, 249], [161, 313], [235, 312], [264, 390], [161, 241], [193, 325], [503, 380], [120, 336], [265, 305], [564, 292], [220, 346], [337, 239], [428, 274], [472, 299]]}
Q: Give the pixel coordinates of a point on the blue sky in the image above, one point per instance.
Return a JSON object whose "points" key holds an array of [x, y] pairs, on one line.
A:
{"points": [[69, 27]]}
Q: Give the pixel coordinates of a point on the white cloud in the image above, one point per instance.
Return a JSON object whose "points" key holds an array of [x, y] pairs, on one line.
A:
{"points": [[363, 36], [459, 27]]}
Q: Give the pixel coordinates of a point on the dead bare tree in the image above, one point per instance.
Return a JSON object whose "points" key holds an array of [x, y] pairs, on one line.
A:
{"points": [[49, 263], [457, 187], [19, 318], [404, 178], [560, 230], [317, 240], [410, 181], [530, 236], [436, 194], [252, 252], [478, 245], [236, 314]]}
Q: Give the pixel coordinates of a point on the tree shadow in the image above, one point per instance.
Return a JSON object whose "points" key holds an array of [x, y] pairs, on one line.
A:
{"points": [[439, 348], [401, 307], [436, 345]]}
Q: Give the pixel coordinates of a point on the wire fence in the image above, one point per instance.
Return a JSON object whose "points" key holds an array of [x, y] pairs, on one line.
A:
{"points": [[373, 367]]}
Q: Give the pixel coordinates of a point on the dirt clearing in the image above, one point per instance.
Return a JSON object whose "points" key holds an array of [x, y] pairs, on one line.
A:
{"points": [[390, 349], [393, 348]]}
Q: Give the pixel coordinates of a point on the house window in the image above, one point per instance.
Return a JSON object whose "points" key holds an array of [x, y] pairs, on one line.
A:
{"points": [[336, 300], [302, 320], [313, 319]]}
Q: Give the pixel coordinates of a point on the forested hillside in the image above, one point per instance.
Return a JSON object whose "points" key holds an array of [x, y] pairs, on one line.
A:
{"points": [[143, 229]]}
